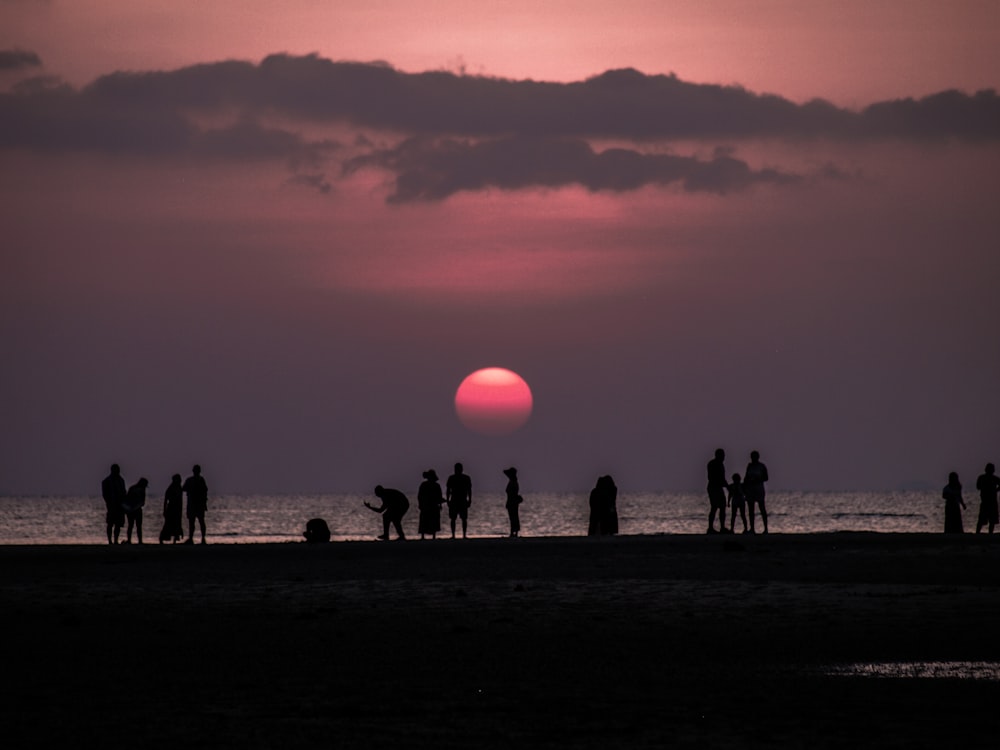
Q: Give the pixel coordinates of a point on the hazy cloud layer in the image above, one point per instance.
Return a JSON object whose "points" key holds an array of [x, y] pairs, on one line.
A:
{"points": [[17, 59], [456, 132], [434, 169]]}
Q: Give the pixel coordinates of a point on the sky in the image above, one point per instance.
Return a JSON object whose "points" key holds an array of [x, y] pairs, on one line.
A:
{"points": [[273, 238]]}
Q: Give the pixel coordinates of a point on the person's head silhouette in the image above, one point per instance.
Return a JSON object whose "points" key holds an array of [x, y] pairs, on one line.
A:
{"points": [[196, 469], [458, 468], [116, 469], [754, 456], [990, 468], [720, 454]]}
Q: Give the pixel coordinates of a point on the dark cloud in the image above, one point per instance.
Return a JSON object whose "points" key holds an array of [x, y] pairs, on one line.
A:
{"points": [[16, 59], [431, 169], [617, 104]]}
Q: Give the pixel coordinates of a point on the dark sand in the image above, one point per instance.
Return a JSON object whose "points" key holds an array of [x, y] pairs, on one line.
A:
{"points": [[665, 641]]}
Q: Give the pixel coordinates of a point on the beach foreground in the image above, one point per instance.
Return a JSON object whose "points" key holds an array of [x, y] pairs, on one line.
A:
{"points": [[655, 641]]}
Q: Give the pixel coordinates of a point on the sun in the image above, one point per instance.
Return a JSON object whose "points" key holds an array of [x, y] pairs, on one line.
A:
{"points": [[493, 401]]}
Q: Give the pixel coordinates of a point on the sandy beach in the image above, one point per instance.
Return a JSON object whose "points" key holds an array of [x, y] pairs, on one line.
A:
{"points": [[652, 641]]}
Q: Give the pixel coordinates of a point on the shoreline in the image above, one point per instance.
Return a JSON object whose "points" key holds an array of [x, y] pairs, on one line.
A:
{"points": [[644, 641]]}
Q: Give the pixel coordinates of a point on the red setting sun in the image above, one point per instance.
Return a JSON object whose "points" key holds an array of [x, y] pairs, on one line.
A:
{"points": [[493, 401]]}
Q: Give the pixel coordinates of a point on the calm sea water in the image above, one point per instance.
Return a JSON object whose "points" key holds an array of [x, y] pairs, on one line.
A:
{"points": [[244, 519]]}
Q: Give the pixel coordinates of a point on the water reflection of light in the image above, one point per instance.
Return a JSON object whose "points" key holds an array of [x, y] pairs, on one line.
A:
{"points": [[940, 670]]}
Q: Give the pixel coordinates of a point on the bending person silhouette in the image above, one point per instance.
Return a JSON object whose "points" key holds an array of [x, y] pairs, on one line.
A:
{"points": [[717, 485], [988, 485], [753, 488], [514, 500], [393, 508], [134, 500], [429, 501], [458, 493], [197, 504], [113, 491], [953, 505], [173, 510]]}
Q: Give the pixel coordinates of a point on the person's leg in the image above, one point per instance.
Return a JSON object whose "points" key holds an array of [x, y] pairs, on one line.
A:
{"points": [[128, 531], [201, 524], [190, 539], [763, 514], [452, 516], [138, 527], [743, 517], [110, 526], [465, 523], [397, 522], [751, 503]]}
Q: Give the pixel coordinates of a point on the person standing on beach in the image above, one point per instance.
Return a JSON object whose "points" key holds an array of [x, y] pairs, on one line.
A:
{"points": [[988, 485], [393, 508], [113, 491], [753, 488], [953, 505], [458, 493], [737, 501], [603, 508], [173, 508], [514, 500], [135, 499], [429, 501], [197, 502], [717, 485]]}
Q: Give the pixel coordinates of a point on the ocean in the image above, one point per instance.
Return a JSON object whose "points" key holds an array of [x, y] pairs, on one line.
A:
{"points": [[245, 519]]}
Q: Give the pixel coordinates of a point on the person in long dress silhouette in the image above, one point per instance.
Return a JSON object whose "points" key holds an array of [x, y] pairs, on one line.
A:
{"points": [[753, 487], [113, 491], [173, 511], [429, 501], [514, 500], [953, 505]]}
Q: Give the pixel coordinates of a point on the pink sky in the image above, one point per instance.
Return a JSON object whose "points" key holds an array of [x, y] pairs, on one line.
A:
{"points": [[851, 52], [283, 269]]}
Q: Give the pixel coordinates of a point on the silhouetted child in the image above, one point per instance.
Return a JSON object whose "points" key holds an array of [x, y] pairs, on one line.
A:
{"points": [[317, 531], [737, 501], [134, 500]]}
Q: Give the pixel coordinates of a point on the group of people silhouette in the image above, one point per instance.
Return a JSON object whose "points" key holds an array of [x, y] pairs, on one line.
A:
{"points": [[988, 485], [125, 506], [457, 495], [736, 493]]}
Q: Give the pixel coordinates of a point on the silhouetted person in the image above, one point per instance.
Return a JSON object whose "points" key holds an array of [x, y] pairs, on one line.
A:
{"points": [[737, 502], [135, 499], [717, 491], [753, 488], [393, 508], [113, 491], [514, 500], [317, 531], [988, 485], [610, 489], [173, 510], [953, 505], [603, 508], [458, 493], [429, 501], [197, 502]]}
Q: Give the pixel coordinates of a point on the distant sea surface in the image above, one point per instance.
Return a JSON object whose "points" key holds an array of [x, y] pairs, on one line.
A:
{"points": [[245, 519]]}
